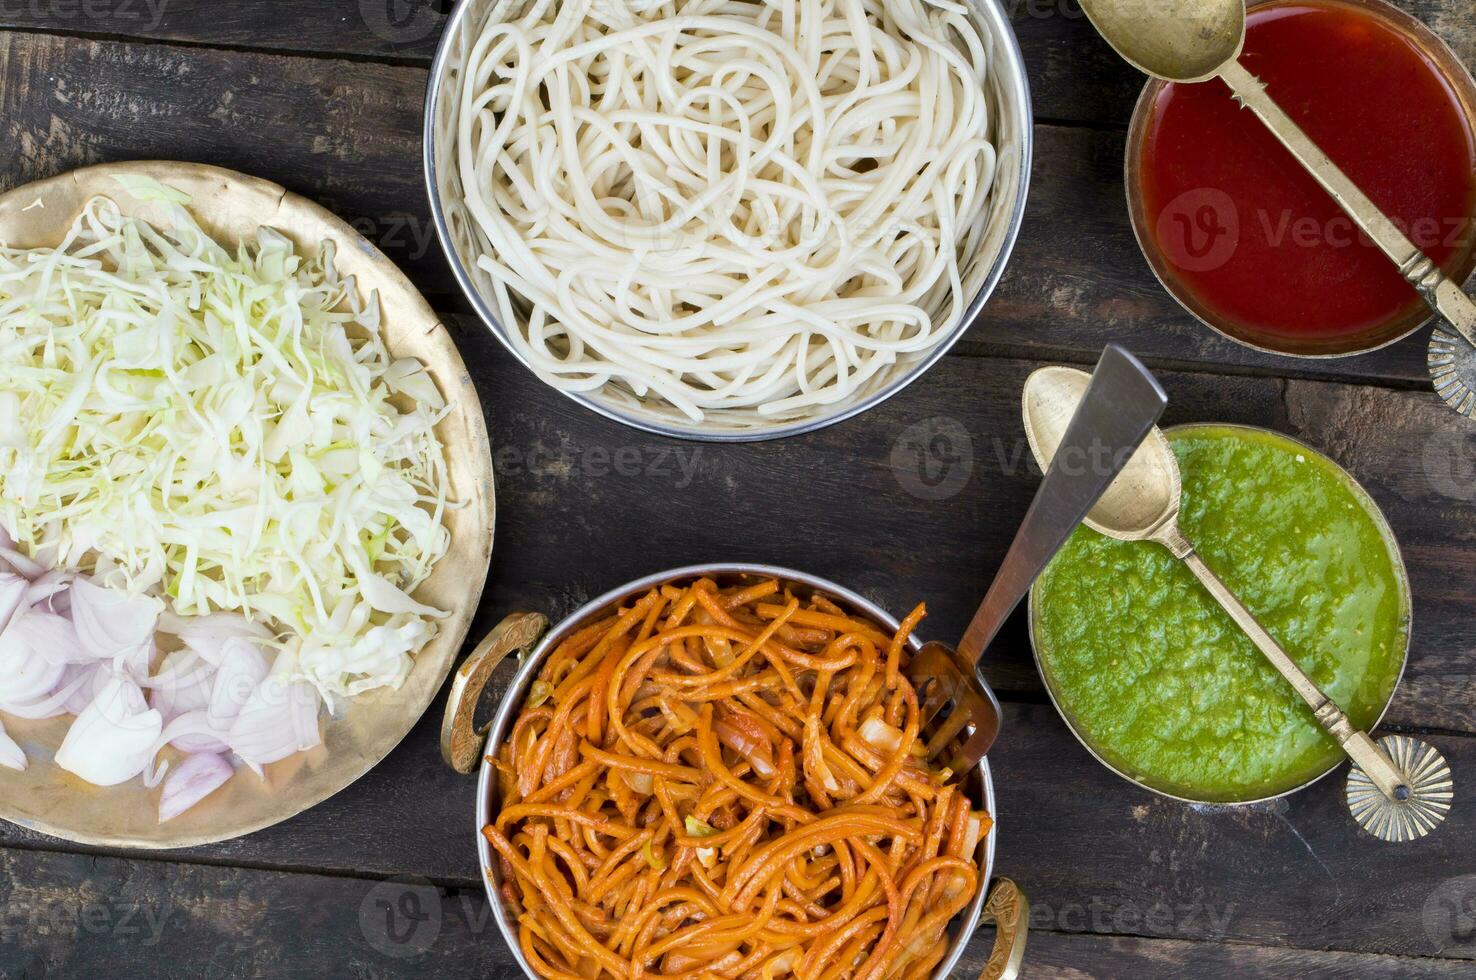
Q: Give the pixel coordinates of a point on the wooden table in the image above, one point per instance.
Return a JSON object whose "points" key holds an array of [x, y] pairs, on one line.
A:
{"points": [[324, 96]]}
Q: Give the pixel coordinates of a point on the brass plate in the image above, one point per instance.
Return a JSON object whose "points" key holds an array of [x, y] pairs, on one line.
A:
{"points": [[231, 206]]}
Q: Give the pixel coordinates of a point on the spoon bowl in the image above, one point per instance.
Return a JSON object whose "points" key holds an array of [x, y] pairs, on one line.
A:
{"points": [[1145, 495], [1176, 40]]}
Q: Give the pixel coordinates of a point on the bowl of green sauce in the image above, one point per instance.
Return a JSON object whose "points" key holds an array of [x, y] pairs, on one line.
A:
{"points": [[1161, 685]]}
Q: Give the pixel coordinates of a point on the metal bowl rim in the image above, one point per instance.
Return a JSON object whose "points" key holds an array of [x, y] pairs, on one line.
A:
{"points": [[1386, 532], [1013, 68], [513, 698]]}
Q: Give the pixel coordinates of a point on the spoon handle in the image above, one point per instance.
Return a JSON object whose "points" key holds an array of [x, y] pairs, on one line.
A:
{"points": [[1121, 405], [1424, 275], [1360, 748]]}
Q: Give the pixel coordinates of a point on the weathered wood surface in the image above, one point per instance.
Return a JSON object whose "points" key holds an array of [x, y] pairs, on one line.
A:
{"points": [[348, 135], [1292, 872], [325, 98], [1095, 854], [1074, 75], [70, 915]]}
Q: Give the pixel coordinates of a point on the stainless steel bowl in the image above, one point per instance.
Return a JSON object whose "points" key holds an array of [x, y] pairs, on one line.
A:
{"points": [[1010, 94], [1002, 903]]}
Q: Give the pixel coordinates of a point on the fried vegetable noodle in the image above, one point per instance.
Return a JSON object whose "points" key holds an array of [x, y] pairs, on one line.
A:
{"points": [[754, 207], [729, 782]]}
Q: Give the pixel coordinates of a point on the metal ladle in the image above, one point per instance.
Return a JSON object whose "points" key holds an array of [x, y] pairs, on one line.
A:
{"points": [[1196, 40], [1399, 788]]}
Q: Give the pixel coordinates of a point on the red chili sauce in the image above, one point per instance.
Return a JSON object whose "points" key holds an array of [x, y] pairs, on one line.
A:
{"points": [[1246, 230]]}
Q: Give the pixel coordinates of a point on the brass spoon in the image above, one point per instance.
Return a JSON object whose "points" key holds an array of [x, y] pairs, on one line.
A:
{"points": [[1195, 40], [1399, 788]]}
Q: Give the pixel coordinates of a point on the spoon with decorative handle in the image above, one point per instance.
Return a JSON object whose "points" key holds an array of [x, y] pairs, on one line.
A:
{"points": [[1409, 781], [1196, 40]]}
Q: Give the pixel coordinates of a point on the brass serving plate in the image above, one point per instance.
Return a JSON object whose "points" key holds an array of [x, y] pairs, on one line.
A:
{"points": [[1374, 512], [230, 206]]}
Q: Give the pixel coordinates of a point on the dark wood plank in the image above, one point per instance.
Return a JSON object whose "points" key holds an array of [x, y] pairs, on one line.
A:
{"points": [[69, 915], [586, 505], [347, 134], [1096, 857], [344, 133], [1074, 76], [1063, 956], [380, 29]]}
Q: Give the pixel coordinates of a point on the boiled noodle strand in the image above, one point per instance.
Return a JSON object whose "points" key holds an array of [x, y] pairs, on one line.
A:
{"points": [[748, 207]]}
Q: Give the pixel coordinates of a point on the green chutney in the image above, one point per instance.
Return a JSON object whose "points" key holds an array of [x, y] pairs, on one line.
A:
{"points": [[1162, 684]]}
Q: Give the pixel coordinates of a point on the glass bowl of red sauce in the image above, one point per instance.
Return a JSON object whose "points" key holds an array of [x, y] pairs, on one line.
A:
{"points": [[1243, 237]]}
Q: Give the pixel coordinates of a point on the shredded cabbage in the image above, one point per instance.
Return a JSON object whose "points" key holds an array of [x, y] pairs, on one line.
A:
{"points": [[225, 430]]}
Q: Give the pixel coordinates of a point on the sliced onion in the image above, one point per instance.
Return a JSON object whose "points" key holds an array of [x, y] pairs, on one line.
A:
{"points": [[11, 755], [95, 675], [51, 590], [12, 596], [194, 732], [281, 719], [25, 674], [113, 739], [23, 566], [242, 668], [190, 782], [184, 683], [49, 706], [113, 625], [50, 635], [879, 735], [743, 734], [641, 782], [207, 635]]}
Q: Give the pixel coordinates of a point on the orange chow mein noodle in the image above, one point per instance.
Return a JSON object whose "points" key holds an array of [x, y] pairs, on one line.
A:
{"points": [[728, 782]]}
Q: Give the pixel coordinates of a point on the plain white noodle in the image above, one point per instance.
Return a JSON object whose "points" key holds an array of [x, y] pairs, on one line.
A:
{"points": [[754, 208]]}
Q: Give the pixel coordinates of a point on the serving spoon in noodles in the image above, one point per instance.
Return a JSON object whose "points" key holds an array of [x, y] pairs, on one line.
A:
{"points": [[1118, 408], [1399, 788], [1196, 40]]}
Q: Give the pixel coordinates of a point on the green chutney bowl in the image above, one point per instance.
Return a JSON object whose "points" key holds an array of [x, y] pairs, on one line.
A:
{"points": [[1099, 743]]}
